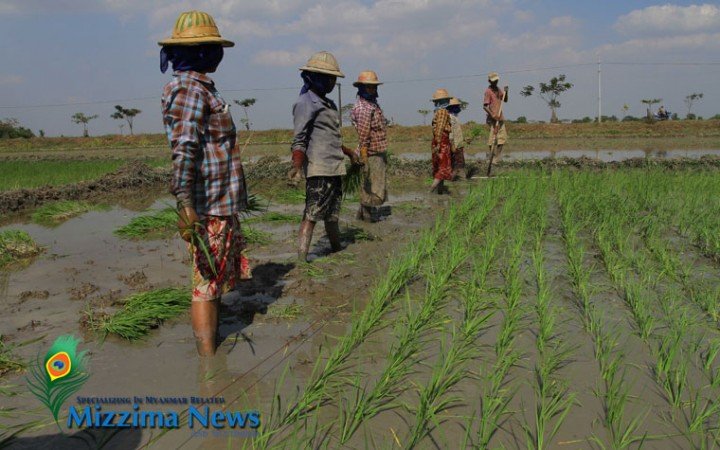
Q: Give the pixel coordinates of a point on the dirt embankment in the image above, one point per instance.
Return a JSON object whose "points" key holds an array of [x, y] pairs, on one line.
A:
{"points": [[136, 176]]}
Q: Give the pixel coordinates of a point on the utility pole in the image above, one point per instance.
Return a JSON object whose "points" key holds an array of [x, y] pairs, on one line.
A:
{"points": [[599, 90], [340, 103]]}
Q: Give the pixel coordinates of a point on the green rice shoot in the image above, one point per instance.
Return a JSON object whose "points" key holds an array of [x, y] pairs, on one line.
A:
{"points": [[145, 311], [158, 224], [16, 246], [54, 213]]}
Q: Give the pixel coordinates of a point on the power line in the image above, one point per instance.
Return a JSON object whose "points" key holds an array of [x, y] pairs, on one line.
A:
{"points": [[409, 80]]}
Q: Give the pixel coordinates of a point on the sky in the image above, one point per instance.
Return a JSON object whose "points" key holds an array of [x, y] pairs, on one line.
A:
{"points": [[66, 56]]}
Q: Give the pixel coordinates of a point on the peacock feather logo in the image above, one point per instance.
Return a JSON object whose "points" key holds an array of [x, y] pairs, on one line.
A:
{"points": [[61, 374]]}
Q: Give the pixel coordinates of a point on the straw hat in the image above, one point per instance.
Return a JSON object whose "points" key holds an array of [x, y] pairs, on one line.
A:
{"points": [[195, 28], [441, 94], [367, 77], [493, 76], [454, 102], [323, 62]]}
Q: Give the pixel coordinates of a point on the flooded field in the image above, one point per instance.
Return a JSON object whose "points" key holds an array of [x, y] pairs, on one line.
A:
{"points": [[538, 309]]}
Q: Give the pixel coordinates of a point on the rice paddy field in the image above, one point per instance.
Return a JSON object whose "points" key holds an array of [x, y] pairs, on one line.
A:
{"points": [[556, 307]]}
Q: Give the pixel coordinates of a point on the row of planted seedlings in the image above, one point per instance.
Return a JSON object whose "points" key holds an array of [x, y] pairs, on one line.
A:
{"points": [[622, 429], [332, 373], [553, 397], [696, 210], [671, 332]]}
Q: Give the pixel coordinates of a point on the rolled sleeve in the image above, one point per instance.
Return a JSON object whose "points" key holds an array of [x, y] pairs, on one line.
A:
{"points": [[303, 116], [185, 119]]}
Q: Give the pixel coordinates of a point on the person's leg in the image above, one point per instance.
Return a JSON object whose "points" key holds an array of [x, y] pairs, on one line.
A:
{"points": [[332, 228], [434, 187], [204, 319], [304, 239]]}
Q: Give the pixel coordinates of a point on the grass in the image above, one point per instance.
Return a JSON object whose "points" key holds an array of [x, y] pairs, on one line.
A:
{"points": [[276, 217], [52, 214], [16, 248], [143, 312], [27, 175], [290, 311]]}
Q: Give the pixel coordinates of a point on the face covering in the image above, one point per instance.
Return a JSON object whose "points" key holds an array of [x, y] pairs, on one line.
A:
{"points": [[454, 109], [440, 104], [198, 58], [363, 93], [319, 82]]}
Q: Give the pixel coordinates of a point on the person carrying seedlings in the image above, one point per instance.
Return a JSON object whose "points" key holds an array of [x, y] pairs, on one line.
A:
{"points": [[492, 104], [457, 140], [317, 150], [441, 145], [208, 181], [369, 121]]}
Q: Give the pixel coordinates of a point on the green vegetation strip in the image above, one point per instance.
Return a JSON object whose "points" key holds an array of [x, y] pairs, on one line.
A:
{"points": [[148, 226], [27, 175], [16, 247], [54, 213], [143, 312]]}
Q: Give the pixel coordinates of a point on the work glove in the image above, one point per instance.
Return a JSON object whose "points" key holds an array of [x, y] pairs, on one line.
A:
{"points": [[354, 158], [298, 161], [364, 155], [188, 222]]}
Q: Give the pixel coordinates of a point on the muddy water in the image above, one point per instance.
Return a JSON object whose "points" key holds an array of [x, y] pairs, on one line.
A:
{"points": [[600, 155], [86, 266]]}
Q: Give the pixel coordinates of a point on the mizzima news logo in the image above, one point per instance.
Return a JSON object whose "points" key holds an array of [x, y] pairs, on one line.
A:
{"points": [[63, 371]]}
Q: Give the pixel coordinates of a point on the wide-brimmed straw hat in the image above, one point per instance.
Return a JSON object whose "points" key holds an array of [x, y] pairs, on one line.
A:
{"points": [[493, 76], [441, 94], [454, 102], [323, 62], [367, 77], [196, 28]]}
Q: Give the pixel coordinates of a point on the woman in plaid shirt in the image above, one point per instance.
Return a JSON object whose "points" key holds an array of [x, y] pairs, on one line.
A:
{"points": [[369, 121], [208, 180]]}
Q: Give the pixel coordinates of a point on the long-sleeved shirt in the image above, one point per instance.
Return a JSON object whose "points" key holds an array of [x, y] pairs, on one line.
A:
{"points": [[207, 172], [370, 124], [441, 125], [456, 135], [317, 134]]}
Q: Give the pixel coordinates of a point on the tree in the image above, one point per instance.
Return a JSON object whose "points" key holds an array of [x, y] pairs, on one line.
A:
{"points": [[625, 108], [127, 114], [246, 104], [80, 118], [11, 129], [650, 102], [463, 104], [424, 113], [690, 100], [550, 92]]}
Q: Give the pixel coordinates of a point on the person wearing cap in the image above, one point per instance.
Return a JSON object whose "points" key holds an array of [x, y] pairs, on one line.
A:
{"points": [[369, 121], [317, 150], [457, 140], [494, 97], [441, 145], [208, 180]]}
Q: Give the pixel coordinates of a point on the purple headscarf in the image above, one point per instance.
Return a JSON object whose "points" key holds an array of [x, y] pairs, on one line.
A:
{"points": [[199, 58]]}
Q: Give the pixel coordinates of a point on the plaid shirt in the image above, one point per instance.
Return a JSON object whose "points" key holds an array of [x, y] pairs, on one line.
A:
{"points": [[370, 125], [207, 172]]}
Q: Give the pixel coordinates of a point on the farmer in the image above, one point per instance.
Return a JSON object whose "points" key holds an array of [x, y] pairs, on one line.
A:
{"points": [[495, 118], [457, 140], [369, 121], [317, 150], [441, 145], [208, 180]]}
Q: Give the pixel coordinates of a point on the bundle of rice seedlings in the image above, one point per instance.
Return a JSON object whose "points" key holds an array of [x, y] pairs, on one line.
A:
{"points": [[352, 181], [54, 213], [158, 224], [15, 246], [145, 311]]}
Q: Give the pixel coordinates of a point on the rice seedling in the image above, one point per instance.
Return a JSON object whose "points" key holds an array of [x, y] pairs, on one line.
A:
{"points": [[255, 236], [145, 311], [8, 361], [17, 247], [52, 214], [275, 217], [158, 224], [352, 181], [290, 311]]}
